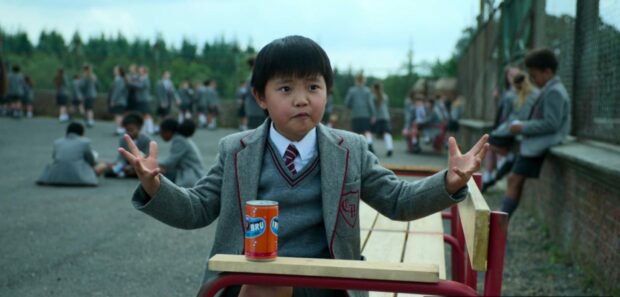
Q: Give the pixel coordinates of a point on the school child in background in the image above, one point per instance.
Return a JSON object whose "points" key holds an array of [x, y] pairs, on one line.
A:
{"points": [[363, 113], [73, 160], [89, 91], [166, 96], [504, 109], [28, 98], [256, 115], [501, 141], [118, 98], [132, 123], [432, 124], [456, 113], [547, 124], [317, 175], [184, 165], [132, 75], [186, 96], [63, 91], [382, 126], [15, 95], [241, 93], [77, 98], [202, 94], [213, 104], [142, 85], [409, 112]]}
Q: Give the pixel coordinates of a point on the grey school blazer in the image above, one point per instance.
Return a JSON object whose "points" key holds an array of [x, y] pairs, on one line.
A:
{"points": [[350, 173], [550, 119], [184, 161], [72, 164]]}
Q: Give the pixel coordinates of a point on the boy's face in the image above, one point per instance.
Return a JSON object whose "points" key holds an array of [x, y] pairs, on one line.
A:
{"points": [[132, 130], [295, 105], [540, 76]]}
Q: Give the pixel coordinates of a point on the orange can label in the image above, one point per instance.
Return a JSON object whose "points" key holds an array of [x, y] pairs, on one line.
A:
{"points": [[261, 230]]}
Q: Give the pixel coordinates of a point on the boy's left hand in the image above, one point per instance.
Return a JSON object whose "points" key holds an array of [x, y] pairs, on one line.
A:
{"points": [[461, 167]]}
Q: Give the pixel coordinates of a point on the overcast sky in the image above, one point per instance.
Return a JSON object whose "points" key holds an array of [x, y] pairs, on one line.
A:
{"points": [[370, 35]]}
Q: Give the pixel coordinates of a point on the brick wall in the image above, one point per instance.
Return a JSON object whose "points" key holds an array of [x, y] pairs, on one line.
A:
{"points": [[580, 204], [581, 208]]}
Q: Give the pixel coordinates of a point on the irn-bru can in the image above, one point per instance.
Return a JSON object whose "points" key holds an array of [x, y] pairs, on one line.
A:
{"points": [[261, 230]]}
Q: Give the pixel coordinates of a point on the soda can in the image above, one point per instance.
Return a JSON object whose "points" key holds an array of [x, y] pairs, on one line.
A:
{"points": [[261, 230]]}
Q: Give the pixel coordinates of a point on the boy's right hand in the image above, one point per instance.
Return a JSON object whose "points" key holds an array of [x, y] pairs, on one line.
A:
{"points": [[147, 168]]}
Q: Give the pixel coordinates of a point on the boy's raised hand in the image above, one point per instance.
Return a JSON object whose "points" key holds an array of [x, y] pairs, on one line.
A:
{"points": [[461, 167], [147, 168]]}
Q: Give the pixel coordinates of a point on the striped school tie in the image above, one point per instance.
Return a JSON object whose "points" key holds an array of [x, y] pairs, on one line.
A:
{"points": [[289, 158]]}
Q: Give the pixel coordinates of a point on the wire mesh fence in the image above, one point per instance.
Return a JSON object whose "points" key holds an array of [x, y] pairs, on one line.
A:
{"points": [[585, 36]]}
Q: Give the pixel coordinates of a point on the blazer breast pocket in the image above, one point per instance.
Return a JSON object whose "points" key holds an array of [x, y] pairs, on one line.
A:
{"points": [[348, 208]]}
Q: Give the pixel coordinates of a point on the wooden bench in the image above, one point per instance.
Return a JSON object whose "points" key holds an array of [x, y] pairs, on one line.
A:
{"points": [[412, 261]]}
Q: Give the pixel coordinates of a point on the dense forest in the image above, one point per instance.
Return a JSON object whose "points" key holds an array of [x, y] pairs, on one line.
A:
{"points": [[221, 59]]}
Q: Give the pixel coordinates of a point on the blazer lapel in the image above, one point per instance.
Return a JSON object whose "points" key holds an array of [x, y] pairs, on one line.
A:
{"points": [[248, 162], [334, 163]]}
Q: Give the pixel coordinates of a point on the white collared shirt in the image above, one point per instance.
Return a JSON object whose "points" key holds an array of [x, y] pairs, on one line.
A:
{"points": [[306, 146]]}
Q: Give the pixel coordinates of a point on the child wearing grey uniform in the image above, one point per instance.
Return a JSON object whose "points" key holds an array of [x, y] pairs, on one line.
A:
{"points": [[359, 101], [166, 95], [547, 124], [186, 105], [89, 92], [184, 165], [118, 98], [73, 161], [255, 114], [77, 98], [63, 91], [15, 94], [142, 86], [28, 98], [213, 104], [382, 126], [328, 172], [202, 94]]}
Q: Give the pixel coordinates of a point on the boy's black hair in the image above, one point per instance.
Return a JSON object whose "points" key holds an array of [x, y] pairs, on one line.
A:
{"points": [[170, 125], [133, 118], [295, 56], [187, 128], [75, 127], [15, 68], [542, 59]]}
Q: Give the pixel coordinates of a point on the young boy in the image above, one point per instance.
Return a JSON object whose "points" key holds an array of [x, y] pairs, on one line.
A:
{"points": [[317, 175], [548, 124], [73, 160], [184, 164]]}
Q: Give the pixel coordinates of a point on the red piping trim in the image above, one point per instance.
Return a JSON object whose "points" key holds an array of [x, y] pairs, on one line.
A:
{"points": [[239, 197], [346, 171]]}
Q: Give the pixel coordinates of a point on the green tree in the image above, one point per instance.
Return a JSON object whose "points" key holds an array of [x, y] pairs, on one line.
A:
{"points": [[52, 43]]}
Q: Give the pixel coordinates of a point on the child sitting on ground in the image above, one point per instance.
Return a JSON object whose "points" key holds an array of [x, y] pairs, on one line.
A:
{"points": [[318, 175], [132, 123], [73, 160], [184, 164]]}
